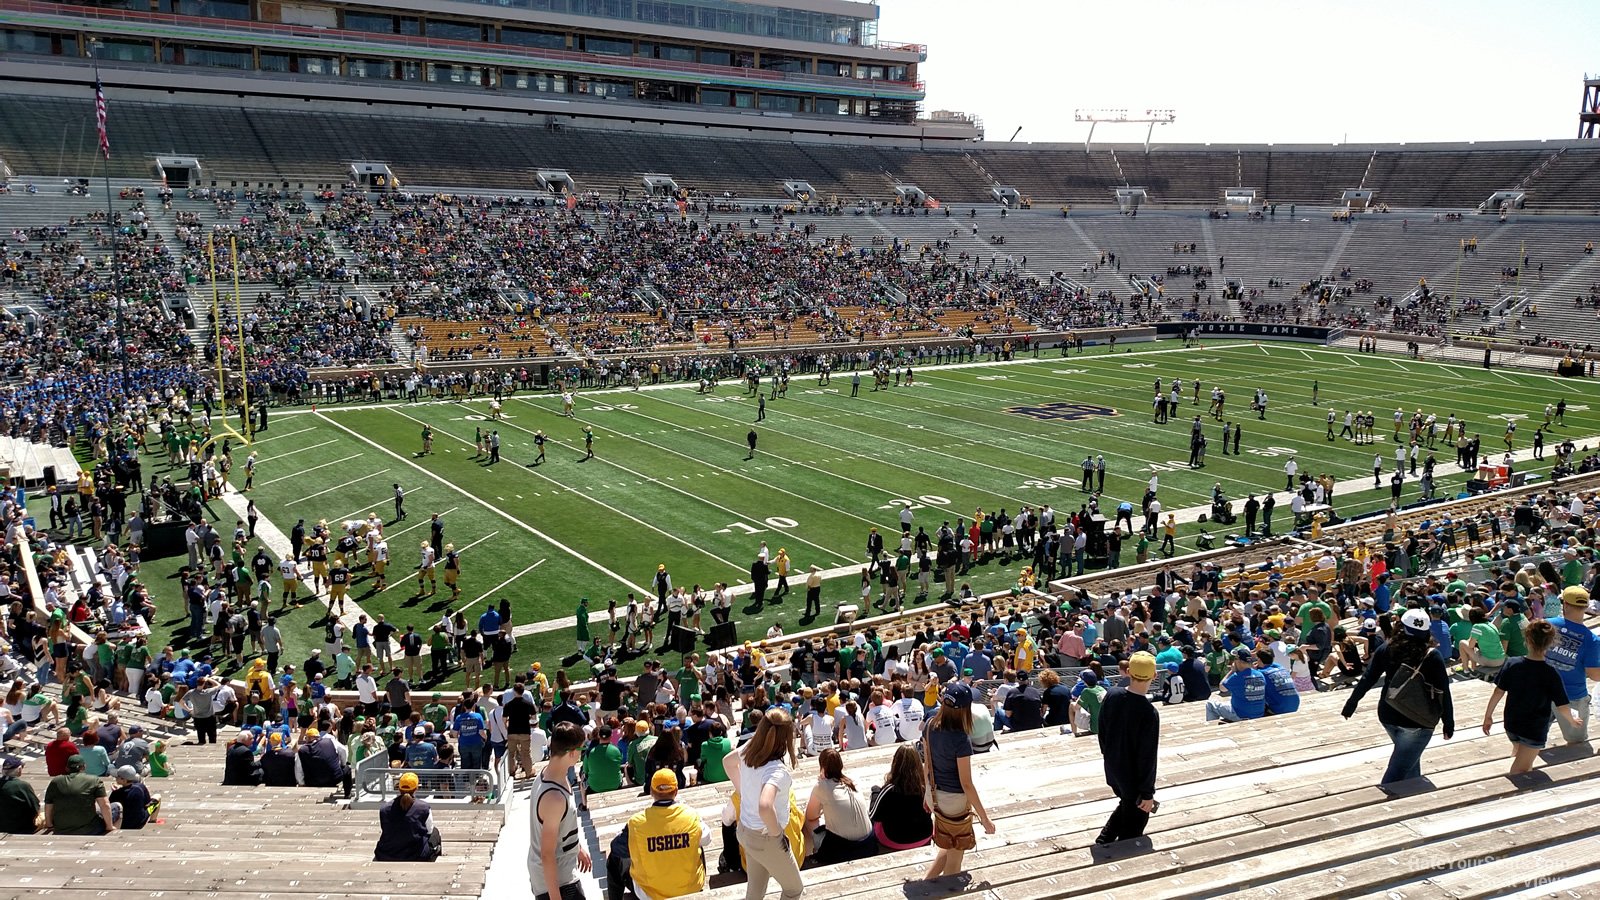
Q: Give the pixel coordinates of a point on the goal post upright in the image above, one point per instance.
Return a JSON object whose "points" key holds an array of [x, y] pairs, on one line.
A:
{"points": [[227, 428]]}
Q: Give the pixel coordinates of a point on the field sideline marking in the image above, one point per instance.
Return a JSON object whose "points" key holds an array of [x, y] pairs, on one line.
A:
{"points": [[1185, 516], [496, 510], [312, 469]]}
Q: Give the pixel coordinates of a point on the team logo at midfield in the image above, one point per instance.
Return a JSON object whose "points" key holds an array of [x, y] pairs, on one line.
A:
{"points": [[1062, 411]]}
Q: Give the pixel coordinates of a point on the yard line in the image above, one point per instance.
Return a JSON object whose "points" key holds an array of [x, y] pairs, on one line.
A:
{"points": [[373, 506], [276, 436], [299, 450], [477, 542], [495, 509], [312, 469], [667, 534], [391, 536], [337, 487], [707, 501], [501, 586], [1308, 356]]}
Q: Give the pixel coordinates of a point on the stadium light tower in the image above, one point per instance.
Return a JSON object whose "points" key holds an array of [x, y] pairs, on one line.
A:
{"points": [[1589, 112], [1152, 117]]}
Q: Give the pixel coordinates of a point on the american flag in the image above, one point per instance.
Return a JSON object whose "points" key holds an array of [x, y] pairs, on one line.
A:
{"points": [[100, 118]]}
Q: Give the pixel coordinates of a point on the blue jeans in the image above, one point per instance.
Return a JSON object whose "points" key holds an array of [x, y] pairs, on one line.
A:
{"points": [[1406, 760], [474, 757]]}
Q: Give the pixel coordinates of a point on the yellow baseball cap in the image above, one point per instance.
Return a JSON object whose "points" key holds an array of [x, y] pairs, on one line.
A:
{"points": [[1142, 667], [663, 783], [407, 783]]}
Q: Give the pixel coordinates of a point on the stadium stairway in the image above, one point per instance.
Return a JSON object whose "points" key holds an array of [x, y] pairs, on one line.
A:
{"points": [[1284, 806], [212, 839]]}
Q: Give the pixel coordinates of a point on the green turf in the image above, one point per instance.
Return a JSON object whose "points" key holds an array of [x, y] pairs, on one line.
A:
{"points": [[669, 483]]}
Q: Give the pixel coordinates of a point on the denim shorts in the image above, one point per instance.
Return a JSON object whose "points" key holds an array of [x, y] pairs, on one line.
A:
{"points": [[1527, 742]]}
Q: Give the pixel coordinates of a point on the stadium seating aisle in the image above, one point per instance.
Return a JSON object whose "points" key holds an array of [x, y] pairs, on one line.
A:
{"points": [[240, 840], [1244, 806]]}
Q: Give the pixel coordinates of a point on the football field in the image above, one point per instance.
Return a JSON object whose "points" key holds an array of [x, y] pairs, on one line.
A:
{"points": [[670, 482]]}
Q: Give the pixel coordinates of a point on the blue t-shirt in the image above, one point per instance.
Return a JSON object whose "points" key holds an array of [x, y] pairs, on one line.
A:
{"points": [[955, 651], [980, 664], [489, 622], [362, 636], [421, 755], [1575, 649], [1248, 692], [469, 727], [1282, 697], [1441, 636], [1091, 634], [1380, 597]]}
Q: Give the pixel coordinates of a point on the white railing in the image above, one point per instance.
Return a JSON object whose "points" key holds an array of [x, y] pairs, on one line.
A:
{"points": [[375, 784]]}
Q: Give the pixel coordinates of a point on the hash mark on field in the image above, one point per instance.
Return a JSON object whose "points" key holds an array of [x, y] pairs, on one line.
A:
{"points": [[518, 496]]}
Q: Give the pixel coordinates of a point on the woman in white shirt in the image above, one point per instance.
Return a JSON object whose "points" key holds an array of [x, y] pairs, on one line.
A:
{"points": [[765, 793], [819, 728]]}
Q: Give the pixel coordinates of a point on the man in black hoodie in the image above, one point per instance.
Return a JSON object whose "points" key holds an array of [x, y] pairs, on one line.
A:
{"points": [[1130, 732]]}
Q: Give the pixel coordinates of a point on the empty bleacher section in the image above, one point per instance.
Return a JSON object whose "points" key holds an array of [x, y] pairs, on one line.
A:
{"points": [[51, 135]]}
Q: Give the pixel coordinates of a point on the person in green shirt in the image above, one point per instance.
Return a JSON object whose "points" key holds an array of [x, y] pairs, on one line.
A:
{"points": [[712, 753], [160, 766], [1482, 650], [1511, 622], [602, 763], [76, 803], [436, 713], [1089, 702], [1142, 549], [254, 713], [1457, 617], [688, 676], [1571, 569], [639, 751], [582, 616], [1216, 663], [1304, 613]]}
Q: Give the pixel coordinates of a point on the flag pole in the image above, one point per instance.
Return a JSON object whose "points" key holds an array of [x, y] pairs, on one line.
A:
{"points": [[116, 257]]}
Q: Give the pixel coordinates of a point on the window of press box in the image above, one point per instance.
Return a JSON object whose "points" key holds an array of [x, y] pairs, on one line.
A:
{"points": [[674, 52], [452, 74], [773, 62], [522, 37], [212, 57], [716, 57], [828, 106], [355, 21], [211, 9], [594, 44], [715, 98], [126, 51], [455, 31], [38, 42], [780, 103], [294, 63], [369, 68], [610, 90], [534, 81]]}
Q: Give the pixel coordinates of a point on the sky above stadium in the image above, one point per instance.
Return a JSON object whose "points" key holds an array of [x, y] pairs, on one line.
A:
{"points": [[1254, 71]]}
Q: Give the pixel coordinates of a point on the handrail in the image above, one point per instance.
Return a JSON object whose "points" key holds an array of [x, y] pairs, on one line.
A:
{"points": [[375, 784], [513, 52]]}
